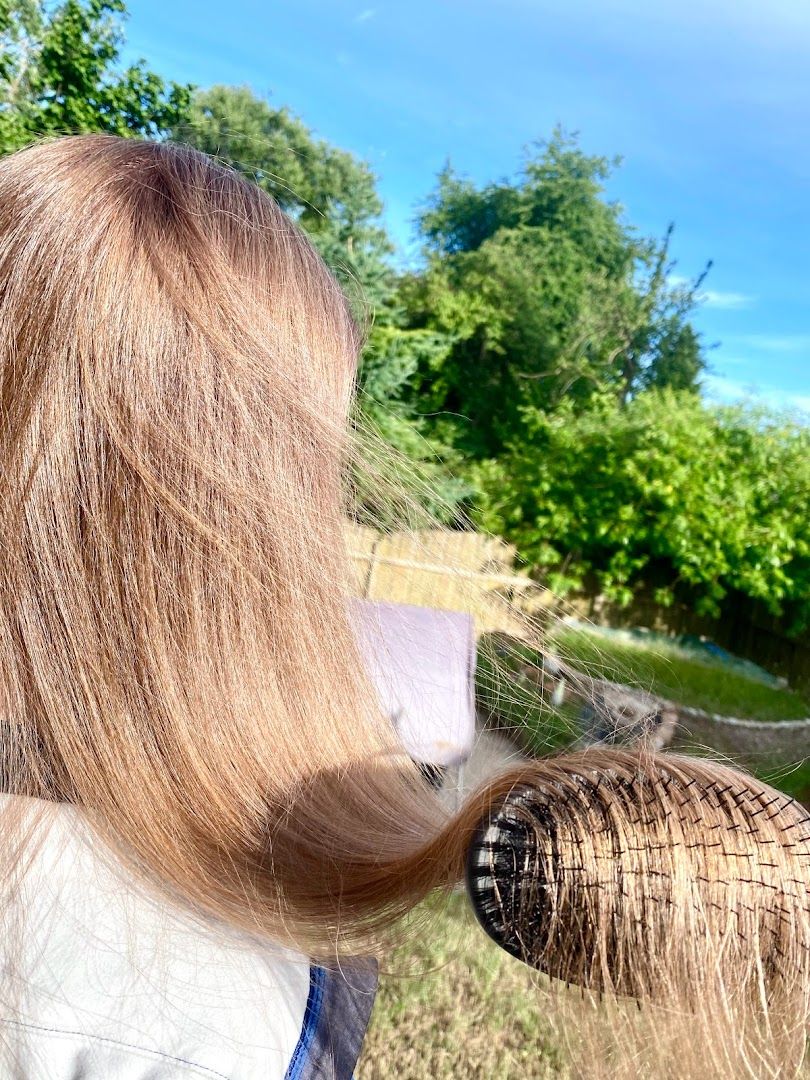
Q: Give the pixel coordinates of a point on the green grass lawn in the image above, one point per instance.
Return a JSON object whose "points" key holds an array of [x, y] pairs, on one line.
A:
{"points": [[453, 1006], [672, 673], [669, 672], [793, 780]]}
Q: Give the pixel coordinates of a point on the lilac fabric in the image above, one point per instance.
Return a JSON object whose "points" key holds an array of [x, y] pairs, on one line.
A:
{"points": [[422, 662]]}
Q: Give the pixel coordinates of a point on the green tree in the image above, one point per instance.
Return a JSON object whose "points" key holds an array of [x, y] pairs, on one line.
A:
{"points": [[678, 362], [666, 492], [549, 295], [424, 468], [60, 74]]}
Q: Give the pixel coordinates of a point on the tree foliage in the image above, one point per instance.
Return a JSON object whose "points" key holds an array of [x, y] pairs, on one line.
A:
{"points": [[688, 499], [549, 295], [60, 74]]}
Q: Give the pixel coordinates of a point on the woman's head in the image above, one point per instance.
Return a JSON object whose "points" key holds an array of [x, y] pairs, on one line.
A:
{"points": [[176, 365]]}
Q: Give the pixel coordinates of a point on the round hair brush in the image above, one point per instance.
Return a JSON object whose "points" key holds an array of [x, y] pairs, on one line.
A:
{"points": [[630, 873]]}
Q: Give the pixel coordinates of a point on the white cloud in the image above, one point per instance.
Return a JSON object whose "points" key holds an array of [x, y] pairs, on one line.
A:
{"points": [[776, 342], [365, 15], [725, 301], [719, 388], [713, 298], [723, 389]]}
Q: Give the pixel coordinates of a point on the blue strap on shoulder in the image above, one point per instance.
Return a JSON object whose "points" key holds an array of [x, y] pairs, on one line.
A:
{"points": [[335, 1021]]}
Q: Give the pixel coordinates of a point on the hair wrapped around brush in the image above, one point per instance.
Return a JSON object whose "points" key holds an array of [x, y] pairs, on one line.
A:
{"points": [[176, 654]]}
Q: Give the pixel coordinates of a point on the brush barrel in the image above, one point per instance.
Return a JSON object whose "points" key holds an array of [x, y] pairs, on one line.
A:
{"points": [[623, 873]]}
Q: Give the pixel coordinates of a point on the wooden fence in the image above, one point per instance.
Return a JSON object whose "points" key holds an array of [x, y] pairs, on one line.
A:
{"points": [[452, 571]]}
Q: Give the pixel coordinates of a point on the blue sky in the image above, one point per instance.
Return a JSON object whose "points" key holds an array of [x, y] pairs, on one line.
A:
{"points": [[707, 102]]}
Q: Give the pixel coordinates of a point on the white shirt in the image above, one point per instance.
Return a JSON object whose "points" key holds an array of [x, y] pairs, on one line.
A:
{"points": [[103, 981]]}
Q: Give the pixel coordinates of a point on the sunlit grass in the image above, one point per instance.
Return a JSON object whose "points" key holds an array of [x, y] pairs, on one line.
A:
{"points": [[514, 702], [793, 780], [670, 673], [453, 1006]]}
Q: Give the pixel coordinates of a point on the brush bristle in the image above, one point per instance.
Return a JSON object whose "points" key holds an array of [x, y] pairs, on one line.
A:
{"points": [[616, 879]]}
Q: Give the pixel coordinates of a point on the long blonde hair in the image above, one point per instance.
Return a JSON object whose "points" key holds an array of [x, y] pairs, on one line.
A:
{"points": [[176, 651]]}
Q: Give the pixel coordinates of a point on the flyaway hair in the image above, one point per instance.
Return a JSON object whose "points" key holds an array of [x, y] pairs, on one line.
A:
{"points": [[176, 651]]}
